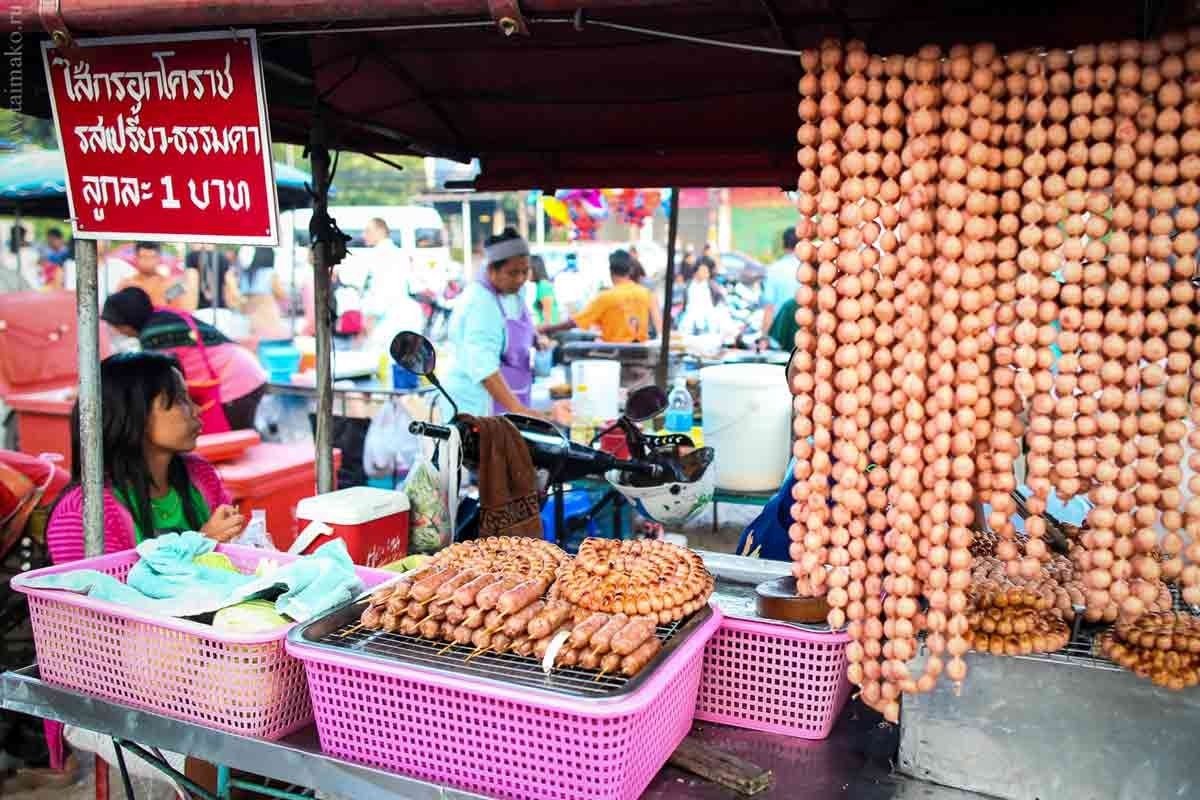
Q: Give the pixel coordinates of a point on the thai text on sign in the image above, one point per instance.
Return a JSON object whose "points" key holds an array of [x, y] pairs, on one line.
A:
{"points": [[165, 138]]}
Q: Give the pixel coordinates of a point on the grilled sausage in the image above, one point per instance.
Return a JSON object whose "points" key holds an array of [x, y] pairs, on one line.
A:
{"points": [[567, 657], [481, 638], [462, 634], [631, 637], [465, 594], [494, 620], [456, 613], [602, 639], [589, 659], [446, 590], [501, 643], [475, 616], [519, 596], [424, 589], [581, 636], [522, 646], [633, 663], [489, 595], [370, 617], [549, 619], [430, 628], [516, 625], [610, 663]]}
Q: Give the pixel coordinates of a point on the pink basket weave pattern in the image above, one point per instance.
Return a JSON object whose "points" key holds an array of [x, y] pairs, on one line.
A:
{"points": [[499, 741], [245, 684], [771, 677]]}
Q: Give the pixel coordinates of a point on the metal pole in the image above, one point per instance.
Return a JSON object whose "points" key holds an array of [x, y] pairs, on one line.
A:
{"points": [[91, 456], [323, 290], [468, 252], [664, 357], [541, 221]]}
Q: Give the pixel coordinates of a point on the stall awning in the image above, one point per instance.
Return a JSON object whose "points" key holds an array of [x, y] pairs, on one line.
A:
{"points": [[577, 102]]}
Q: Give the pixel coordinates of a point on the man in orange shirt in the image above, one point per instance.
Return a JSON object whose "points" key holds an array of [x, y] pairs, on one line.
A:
{"points": [[152, 278], [623, 313]]}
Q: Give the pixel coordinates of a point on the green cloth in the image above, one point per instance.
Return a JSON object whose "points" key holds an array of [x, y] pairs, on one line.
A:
{"points": [[168, 512], [545, 289], [784, 327]]}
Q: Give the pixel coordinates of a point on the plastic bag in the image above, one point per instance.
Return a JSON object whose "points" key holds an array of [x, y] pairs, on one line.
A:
{"points": [[429, 517], [389, 448]]}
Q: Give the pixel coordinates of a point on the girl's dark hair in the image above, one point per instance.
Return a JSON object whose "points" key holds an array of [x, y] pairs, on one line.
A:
{"points": [[537, 268], [503, 236], [129, 385]]}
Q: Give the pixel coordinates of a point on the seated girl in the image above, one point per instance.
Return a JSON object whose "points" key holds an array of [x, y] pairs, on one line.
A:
{"points": [[152, 484]]}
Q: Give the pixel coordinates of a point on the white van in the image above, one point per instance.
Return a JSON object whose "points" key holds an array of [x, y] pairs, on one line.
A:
{"points": [[418, 231]]}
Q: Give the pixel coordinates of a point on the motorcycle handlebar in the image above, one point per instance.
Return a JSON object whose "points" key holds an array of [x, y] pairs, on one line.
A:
{"points": [[430, 430], [607, 462]]}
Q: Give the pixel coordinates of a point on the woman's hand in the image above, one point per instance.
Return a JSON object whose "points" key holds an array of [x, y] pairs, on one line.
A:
{"points": [[225, 523]]}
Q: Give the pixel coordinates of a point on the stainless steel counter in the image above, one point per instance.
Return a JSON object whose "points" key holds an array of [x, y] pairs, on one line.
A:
{"points": [[854, 762]]}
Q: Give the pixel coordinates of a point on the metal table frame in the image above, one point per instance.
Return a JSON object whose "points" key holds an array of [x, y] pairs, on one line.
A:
{"points": [[295, 760]]}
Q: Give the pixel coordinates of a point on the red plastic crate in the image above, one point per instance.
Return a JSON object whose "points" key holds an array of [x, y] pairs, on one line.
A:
{"points": [[773, 677], [274, 477]]}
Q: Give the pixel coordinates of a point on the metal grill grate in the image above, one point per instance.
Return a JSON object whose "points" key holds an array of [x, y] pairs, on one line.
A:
{"points": [[506, 668], [1084, 648]]}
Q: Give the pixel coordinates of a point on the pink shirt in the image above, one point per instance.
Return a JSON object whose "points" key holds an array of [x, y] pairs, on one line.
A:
{"points": [[239, 370]]}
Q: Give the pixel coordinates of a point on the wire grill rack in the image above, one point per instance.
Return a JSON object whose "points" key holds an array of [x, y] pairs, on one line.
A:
{"points": [[1084, 648], [510, 669]]}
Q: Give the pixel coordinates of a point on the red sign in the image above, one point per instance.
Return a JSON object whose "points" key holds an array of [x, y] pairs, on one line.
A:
{"points": [[165, 138]]}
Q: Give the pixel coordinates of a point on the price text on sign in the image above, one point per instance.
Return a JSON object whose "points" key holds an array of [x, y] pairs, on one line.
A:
{"points": [[165, 138]]}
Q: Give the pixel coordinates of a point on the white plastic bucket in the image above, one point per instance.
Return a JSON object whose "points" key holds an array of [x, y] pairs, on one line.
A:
{"points": [[595, 388], [747, 420]]}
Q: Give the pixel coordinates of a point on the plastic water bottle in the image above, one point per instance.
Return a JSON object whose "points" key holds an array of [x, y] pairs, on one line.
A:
{"points": [[255, 533], [680, 408]]}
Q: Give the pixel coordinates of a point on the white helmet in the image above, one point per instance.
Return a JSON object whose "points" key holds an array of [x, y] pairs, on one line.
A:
{"points": [[675, 502]]}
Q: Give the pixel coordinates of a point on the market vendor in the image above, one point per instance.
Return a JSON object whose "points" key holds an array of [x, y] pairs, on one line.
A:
{"points": [[223, 378], [623, 313], [493, 335]]}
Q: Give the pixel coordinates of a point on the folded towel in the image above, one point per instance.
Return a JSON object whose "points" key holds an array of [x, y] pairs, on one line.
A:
{"points": [[168, 567], [312, 585]]}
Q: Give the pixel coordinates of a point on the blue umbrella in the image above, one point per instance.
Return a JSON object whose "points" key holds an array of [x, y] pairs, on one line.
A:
{"points": [[33, 183]]}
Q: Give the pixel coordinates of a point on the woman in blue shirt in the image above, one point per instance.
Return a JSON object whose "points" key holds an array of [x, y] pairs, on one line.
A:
{"points": [[493, 335]]}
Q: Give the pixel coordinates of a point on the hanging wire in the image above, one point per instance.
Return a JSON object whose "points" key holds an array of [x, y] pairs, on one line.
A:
{"points": [[578, 20]]}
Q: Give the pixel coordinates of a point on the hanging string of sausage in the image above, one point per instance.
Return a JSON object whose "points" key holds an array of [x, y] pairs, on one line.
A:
{"points": [[997, 259]]}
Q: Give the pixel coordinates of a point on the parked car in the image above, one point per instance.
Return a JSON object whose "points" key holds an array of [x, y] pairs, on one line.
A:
{"points": [[741, 268]]}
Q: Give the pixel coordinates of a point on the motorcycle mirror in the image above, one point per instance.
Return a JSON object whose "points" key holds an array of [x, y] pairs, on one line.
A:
{"points": [[645, 403], [415, 353]]}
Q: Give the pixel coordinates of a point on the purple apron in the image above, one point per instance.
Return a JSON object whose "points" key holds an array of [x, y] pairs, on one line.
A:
{"points": [[516, 364]]}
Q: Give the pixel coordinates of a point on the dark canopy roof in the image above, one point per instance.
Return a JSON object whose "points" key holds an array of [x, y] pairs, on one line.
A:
{"points": [[575, 104]]}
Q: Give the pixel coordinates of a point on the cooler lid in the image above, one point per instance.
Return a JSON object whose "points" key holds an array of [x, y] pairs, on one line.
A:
{"points": [[352, 506]]}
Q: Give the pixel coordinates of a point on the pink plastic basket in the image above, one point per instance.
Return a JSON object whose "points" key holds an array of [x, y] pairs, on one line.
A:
{"points": [[244, 684], [504, 742], [773, 677]]}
